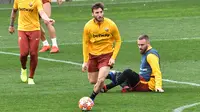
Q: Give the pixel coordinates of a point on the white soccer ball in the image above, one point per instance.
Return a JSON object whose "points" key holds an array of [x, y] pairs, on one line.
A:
{"points": [[85, 103]]}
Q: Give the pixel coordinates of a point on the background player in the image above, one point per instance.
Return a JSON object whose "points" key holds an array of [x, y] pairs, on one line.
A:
{"points": [[51, 29], [28, 33]]}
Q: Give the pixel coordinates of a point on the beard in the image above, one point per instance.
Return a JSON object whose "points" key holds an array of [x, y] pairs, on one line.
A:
{"points": [[99, 19], [142, 51]]}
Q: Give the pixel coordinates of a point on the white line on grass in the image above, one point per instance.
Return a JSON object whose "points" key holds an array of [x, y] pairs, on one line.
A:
{"points": [[180, 109], [178, 82], [79, 64]]}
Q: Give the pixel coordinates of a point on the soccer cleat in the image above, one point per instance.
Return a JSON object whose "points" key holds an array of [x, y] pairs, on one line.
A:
{"points": [[104, 89], [23, 75], [45, 48], [54, 49], [125, 89], [31, 81]]}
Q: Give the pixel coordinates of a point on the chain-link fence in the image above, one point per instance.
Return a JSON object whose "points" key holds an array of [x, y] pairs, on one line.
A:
{"points": [[6, 1]]}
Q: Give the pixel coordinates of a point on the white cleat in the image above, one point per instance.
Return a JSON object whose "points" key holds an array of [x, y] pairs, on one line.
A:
{"points": [[23, 75], [31, 81]]}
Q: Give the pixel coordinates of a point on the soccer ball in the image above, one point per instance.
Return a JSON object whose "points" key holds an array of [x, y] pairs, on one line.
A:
{"points": [[85, 103]]}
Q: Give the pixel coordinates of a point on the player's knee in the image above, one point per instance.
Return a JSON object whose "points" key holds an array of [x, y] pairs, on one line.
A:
{"points": [[100, 80], [127, 71], [92, 81], [24, 54], [33, 54], [130, 73]]}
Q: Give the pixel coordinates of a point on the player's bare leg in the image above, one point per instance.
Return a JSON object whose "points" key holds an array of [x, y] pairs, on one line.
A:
{"points": [[103, 72], [45, 43], [51, 29], [92, 77]]}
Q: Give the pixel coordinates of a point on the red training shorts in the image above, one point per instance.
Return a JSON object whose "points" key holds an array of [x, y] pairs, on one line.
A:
{"points": [[46, 1], [97, 61], [141, 86]]}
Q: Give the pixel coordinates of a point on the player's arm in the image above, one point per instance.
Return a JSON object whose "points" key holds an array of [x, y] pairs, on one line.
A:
{"points": [[85, 41], [13, 16], [42, 14], [153, 61], [118, 41]]}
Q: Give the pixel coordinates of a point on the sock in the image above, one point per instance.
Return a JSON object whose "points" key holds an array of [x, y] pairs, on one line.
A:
{"points": [[93, 95], [110, 86], [24, 68], [45, 43], [54, 42]]}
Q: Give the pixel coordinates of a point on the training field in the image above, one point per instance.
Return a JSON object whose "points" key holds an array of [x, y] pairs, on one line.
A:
{"points": [[174, 28]]}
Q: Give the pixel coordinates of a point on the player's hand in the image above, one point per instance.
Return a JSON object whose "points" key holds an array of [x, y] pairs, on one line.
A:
{"points": [[84, 67], [11, 29], [59, 2], [111, 62], [160, 90], [51, 21]]}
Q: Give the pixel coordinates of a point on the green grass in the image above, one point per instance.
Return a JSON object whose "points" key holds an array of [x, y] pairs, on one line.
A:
{"points": [[173, 26]]}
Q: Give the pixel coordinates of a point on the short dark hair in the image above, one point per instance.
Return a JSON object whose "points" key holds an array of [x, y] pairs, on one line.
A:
{"points": [[144, 36], [97, 5]]}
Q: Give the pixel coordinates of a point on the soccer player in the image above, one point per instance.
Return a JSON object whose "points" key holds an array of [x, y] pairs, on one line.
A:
{"points": [[51, 29], [99, 36], [28, 33], [149, 77]]}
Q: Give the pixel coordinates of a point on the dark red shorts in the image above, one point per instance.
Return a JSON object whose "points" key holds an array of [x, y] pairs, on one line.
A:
{"points": [[46, 1], [142, 85], [97, 61]]}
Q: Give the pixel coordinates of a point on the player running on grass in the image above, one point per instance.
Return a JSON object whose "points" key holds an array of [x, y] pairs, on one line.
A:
{"points": [[99, 36]]}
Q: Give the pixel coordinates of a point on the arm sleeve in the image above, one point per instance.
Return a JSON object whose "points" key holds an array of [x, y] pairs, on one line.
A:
{"points": [[153, 61], [85, 45], [39, 5], [118, 41], [15, 5]]}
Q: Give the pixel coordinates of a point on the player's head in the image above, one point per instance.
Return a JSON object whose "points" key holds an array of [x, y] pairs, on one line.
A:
{"points": [[98, 11], [143, 43]]}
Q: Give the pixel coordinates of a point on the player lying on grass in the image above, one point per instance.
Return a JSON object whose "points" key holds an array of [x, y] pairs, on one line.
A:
{"points": [[149, 77]]}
